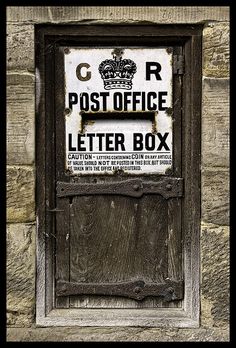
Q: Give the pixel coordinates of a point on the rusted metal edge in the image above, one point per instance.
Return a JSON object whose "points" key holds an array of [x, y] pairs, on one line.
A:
{"points": [[137, 290], [167, 187]]}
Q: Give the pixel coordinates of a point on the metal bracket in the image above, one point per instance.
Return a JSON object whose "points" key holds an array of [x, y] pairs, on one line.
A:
{"points": [[167, 187], [137, 290]]}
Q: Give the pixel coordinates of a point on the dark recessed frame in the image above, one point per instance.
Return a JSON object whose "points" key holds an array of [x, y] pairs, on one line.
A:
{"points": [[186, 40]]}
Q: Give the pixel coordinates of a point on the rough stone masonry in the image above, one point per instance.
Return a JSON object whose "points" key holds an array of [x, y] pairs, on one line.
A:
{"points": [[21, 170]]}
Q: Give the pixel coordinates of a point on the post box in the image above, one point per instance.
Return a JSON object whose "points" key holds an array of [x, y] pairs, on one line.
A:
{"points": [[118, 173]]}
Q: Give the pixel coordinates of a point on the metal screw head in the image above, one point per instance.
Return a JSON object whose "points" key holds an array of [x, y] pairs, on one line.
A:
{"points": [[169, 50], [67, 111], [168, 187], [136, 187], [66, 50], [137, 289], [168, 171]]}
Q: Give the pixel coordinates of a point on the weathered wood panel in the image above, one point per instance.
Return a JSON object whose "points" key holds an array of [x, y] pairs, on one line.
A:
{"points": [[118, 239], [62, 247]]}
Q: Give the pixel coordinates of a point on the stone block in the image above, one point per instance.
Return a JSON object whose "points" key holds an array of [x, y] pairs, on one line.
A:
{"points": [[20, 119], [20, 46], [215, 196], [216, 50], [215, 123], [156, 14], [20, 274], [20, 194], [116, 334], [215, 275]]}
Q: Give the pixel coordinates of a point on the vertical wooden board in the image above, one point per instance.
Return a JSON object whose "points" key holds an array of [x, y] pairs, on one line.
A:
{"points": [[102, 239], [118, 239], [62, 224], [175, 245], [174, 239], [175, 249], [191, 173], [177, 119], [62, 247], [151, 239], [50, 175], [102, 233], [151, 250]]}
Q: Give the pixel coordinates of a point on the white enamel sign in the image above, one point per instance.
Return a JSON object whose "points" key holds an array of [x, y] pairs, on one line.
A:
{"points": [[117, 110]]}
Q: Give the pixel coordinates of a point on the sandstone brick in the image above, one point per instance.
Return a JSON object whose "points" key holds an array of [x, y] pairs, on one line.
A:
{"points": [[105, 334], [20, 274], [215, 275], [157, 14], [20, 194], [20, 119], [216, 50], [215, 123], [20, 46], [215, 196]]}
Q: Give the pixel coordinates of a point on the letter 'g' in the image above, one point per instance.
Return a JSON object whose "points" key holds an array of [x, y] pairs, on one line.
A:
{"points": [[78, 72]]}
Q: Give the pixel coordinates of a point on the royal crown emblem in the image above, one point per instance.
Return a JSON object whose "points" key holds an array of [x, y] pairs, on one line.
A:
{"points": [[117, 73]]}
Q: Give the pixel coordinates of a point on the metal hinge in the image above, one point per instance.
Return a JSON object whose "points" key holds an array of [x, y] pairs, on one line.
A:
{"points": [[170, 290], [168, 187], [178, 64]]}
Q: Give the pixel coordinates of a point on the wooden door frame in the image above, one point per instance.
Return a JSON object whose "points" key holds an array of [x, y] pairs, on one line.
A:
{"points": [[47, 36]]}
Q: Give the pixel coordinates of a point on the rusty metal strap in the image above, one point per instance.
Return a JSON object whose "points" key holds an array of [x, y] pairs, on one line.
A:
{"points": [[138, 290], [167, 187]]}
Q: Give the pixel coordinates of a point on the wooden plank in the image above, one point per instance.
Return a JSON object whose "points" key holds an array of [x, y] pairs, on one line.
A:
{"points": [[101, 244], [191, 171], [40, 185], [163, 317], [62, 218], [49, 176], [118, 239], [174, 205], [63, 248], [122, 30], [195, 165]]}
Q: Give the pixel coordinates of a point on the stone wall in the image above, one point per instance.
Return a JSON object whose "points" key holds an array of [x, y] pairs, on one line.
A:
{"points": [[21, 170]]}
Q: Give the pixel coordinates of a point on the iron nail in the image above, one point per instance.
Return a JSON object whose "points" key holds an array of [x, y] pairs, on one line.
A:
{"points": [[137, 289]]}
